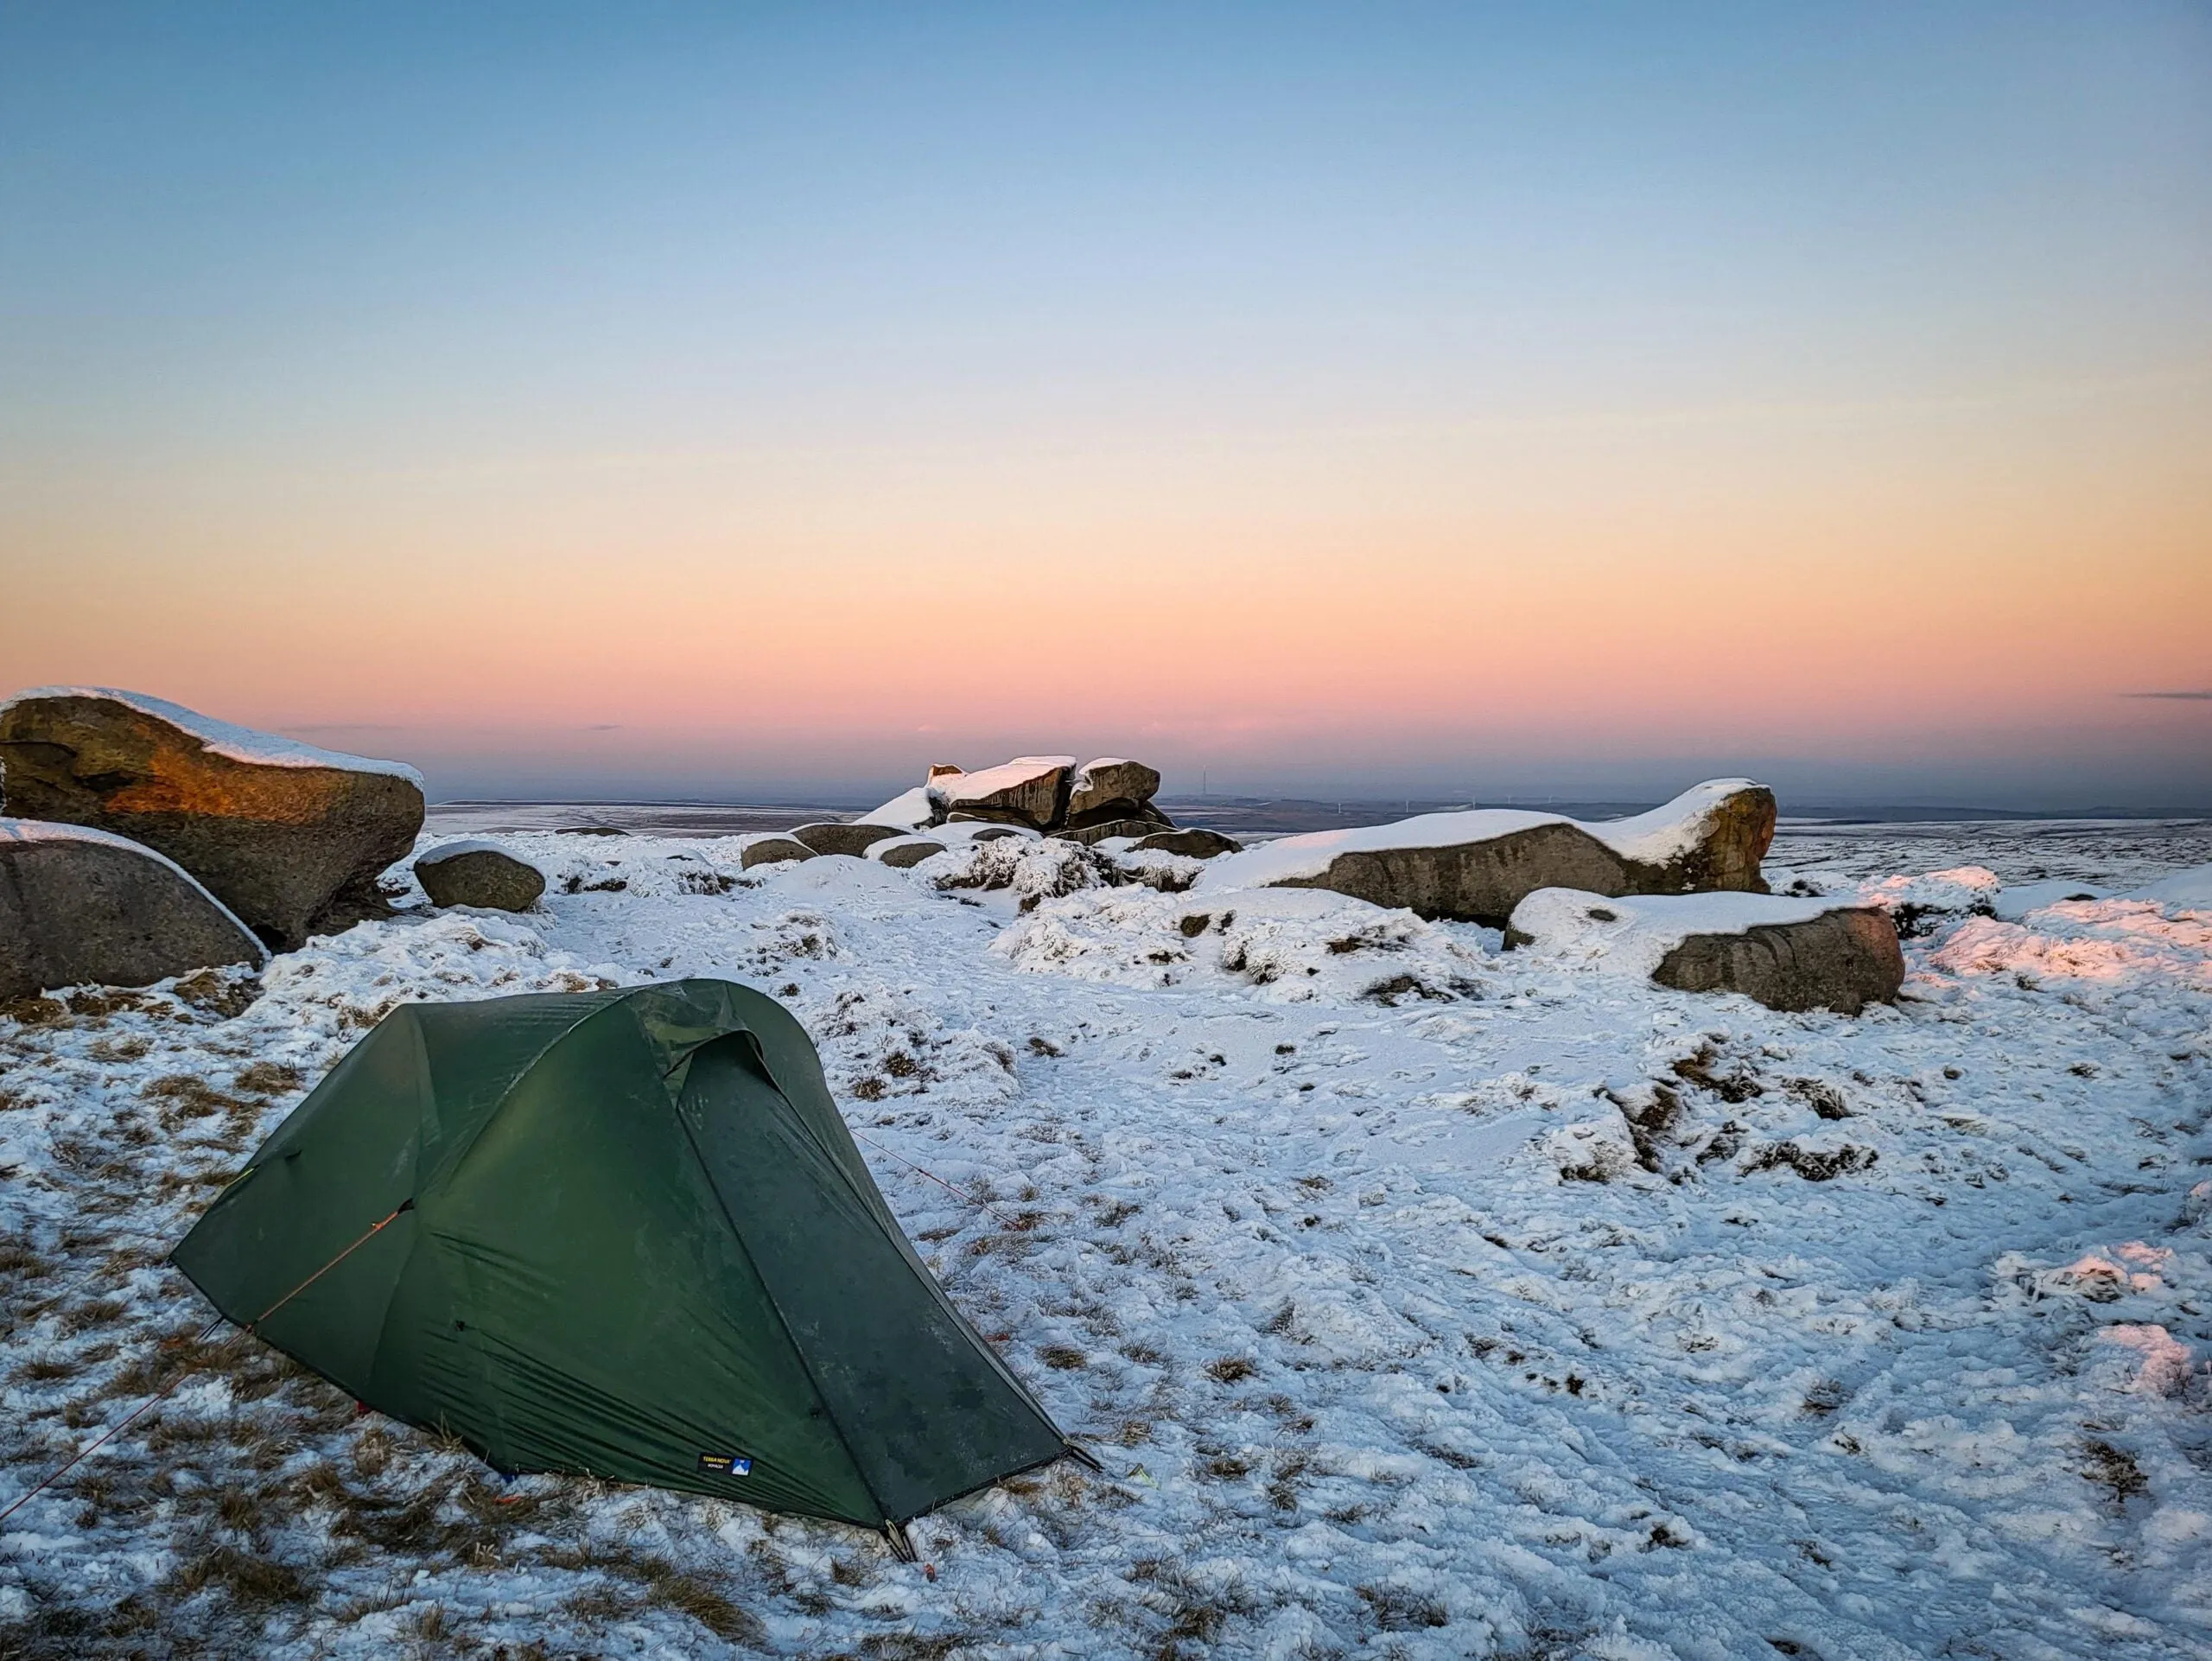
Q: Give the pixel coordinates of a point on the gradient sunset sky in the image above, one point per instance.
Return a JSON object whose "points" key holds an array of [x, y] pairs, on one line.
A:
{"points": [[742, 401]]}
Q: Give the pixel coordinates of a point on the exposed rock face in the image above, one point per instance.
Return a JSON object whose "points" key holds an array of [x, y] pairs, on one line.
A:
{"points": [[1030, 790], [79, 906], [1737, 830], [1092, 834], [1478, 866], [1843, 960], [1192, 840], [905, 852], [1477, 881], [769, 849], [1110, 789], [289, 837], [477, 874], [853, 839]]}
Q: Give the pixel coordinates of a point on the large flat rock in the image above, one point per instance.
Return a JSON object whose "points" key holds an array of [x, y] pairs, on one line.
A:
{"points": [[1030, 790], [290, 838], [81, 907], [1788, 953], [1477, 866]]}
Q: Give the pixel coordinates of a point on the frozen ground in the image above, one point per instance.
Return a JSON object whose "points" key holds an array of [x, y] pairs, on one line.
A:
{"points": [[1421, 1299]]}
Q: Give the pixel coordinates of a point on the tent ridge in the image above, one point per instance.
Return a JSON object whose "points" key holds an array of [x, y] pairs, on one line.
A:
{"points": [[449, 1166]]}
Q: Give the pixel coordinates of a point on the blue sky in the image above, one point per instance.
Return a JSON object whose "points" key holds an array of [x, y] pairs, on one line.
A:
{"points": [[1542, 323]]}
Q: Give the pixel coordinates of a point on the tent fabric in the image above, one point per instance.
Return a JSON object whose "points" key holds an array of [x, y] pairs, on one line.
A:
{"points": [[633, 1238]]}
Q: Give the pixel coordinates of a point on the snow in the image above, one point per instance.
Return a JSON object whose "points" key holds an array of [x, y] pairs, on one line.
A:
{"points": [[2189, 890], [1440, 1302], [30, 830], [1654, 837], [1963, 889], [911, 811], [2014, 901], [1633, 935], [225, 739]]}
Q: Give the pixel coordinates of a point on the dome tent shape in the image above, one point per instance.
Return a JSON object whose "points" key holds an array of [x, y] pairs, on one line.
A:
{"points": [[624, 1233]]}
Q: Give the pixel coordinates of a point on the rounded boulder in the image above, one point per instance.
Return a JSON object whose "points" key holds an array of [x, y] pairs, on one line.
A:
{"points": [[478, 874], [81, 907], [832, 837], [770, 850]]}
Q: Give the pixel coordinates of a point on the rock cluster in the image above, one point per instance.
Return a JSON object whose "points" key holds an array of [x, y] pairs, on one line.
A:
{"points": [[1047, 793], [851, 839]]}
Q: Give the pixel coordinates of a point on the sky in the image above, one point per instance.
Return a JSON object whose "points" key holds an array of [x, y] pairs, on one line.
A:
{"points": [[754, 402]]}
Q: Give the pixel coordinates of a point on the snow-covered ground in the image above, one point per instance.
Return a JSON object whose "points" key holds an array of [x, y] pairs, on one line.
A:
{"points": [[1421, 1299]]}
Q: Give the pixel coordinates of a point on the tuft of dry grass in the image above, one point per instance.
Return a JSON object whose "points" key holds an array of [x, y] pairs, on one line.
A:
{"points": [[100, 1312], [2114, 1468], [372, 1451], [252, 1581], [687, 1594], [269, 1079]]}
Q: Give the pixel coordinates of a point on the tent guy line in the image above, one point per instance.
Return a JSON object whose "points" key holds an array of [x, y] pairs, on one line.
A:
{"points": [[185, 1372]]}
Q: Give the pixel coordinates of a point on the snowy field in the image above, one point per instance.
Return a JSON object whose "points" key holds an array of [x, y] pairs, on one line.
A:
{"points": [[1421, 1299]]}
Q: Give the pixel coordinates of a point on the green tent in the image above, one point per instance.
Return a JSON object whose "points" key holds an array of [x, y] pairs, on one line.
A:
{"points": [[624, 1234]]}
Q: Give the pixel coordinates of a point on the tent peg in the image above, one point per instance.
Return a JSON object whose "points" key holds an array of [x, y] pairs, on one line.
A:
{"points": [[901, 1547], [1084, 1457]]}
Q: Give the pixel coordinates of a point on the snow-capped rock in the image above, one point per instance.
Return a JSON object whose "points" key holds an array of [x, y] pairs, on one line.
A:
{"points": [[1477, 866], [478, 874], [292, 838], [1788, 953]]}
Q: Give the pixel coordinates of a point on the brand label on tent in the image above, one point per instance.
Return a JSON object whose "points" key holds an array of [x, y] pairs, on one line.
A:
{"points": [[725, 1464]]}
